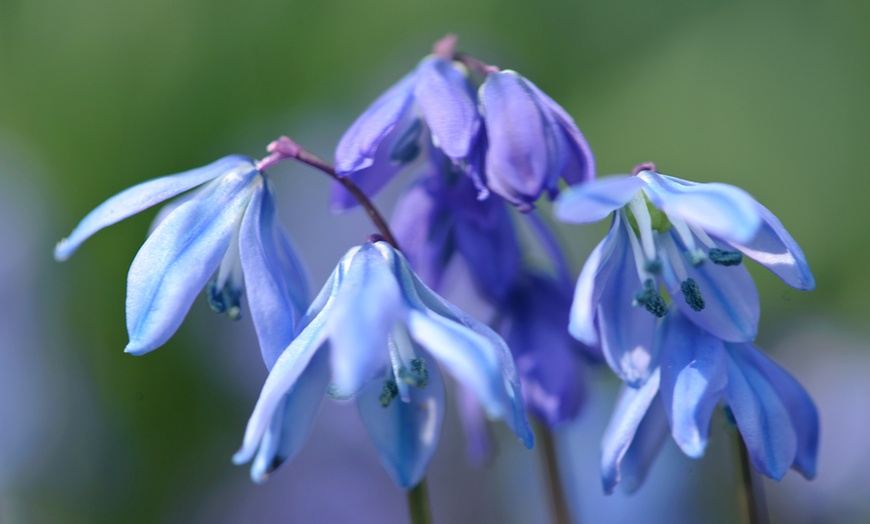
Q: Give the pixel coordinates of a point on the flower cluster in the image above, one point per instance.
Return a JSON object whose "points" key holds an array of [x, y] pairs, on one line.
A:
{"points": [[664, 299]]}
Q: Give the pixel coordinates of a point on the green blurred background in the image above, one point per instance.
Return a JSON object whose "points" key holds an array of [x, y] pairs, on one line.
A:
{"points": [[98, 95]]}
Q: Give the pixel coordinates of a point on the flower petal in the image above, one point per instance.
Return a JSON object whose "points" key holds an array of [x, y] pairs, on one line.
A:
{"points": [[293, 419], [800, 407], [405, 434], [693, 380], [179, 257], [775, 249], [520, 158], [282, 379], [142, 196], [275, 281], [590, 285], [444, 96], [721, 210], [632, 407], [627, 331], [593, 201], [366, 308], [356, 149], [762, 418], [731, 306]]}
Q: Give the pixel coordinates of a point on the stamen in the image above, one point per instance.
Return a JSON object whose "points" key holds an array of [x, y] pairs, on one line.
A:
{"points": [[417, 376], [696, 256], [639, 262], [406, 148], [653, 266], [674, 257], [650, 299], [389, 392], [224, 300], [725, 257], [642, 218], [692, 294]]}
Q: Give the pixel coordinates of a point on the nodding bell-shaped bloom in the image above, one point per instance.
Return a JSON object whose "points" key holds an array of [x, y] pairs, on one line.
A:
{"points": [[776, 418], [531, 141], [685, 238], [435, 104], [227, 232], [377, 333]]}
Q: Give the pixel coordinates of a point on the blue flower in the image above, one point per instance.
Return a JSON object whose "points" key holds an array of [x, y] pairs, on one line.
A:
{"points": [[377, 333], [226, 228], [685, 237], [434, 104], [775, 416], [531, 141]]}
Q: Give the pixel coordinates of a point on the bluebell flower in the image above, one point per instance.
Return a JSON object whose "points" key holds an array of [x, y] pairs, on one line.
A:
{"points": [[225, 231], [434, 104], [439, 217], [378, 334], [531, 141], [777, 420], [686, 238]]}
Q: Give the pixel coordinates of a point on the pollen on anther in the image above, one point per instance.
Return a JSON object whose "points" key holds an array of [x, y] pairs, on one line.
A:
{"points": [[725, 257], [651, 300], [389, 392], [692, 294]]}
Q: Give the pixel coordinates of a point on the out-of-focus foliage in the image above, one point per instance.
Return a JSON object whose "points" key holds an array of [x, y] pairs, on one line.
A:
{"points": [[772, 97]]}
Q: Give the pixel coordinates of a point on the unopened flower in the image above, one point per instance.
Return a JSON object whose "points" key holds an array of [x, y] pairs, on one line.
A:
{"points": [[531, 141], [378, 334], [777, 420], [226, 231], [684, 238]]}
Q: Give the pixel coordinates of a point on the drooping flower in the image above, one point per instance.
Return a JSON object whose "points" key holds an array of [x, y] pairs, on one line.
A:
{"points": [[531, 141], [777, 420], [377, 333], [680, 236], [226, 230], [434, 104]]}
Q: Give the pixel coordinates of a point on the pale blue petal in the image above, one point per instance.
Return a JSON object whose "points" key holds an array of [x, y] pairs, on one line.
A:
{"points": [[179, 257], [293, 419], [142, 196], [627, 331], [647, 443], [731, 306], [366, 309], [356, 149], [282, 379], [441, 318], [591, 284], [593, 201], [721, 210], [762, 418], [405, 434], [445, 98], [776, 250], [520, 156], [631, 408], [275, 282], [694, 374], [802, 411]]}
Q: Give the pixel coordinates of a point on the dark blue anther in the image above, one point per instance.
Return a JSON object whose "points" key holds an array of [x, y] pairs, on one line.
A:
{"points": [[650, 299], [389, 392], [692, 294], [406, 148], [725, 257]]}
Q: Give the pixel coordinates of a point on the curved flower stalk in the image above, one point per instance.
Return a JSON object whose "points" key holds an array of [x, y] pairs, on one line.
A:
{"points": [[377, 333], [685, 238], [531, 141], [776, 418], [507, 136], [225, 231]]}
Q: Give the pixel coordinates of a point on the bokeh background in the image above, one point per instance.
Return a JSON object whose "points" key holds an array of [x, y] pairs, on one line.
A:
{"points": [[98, 95]]}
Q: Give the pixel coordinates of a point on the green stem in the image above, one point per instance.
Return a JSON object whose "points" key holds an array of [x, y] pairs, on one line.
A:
{"points": [[555, 491], [752, 491], [418, 504]]}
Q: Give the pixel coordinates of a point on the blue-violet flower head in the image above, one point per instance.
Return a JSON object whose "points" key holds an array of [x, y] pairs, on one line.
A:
{"points": [[776, 417], [226, 228], [531, 141], [686, 237], [377, 333]]}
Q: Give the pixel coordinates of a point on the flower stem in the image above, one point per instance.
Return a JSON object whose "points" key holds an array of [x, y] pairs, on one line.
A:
{"points": [[752, 492], [418, 504], [556, 492], [285, 148]]}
